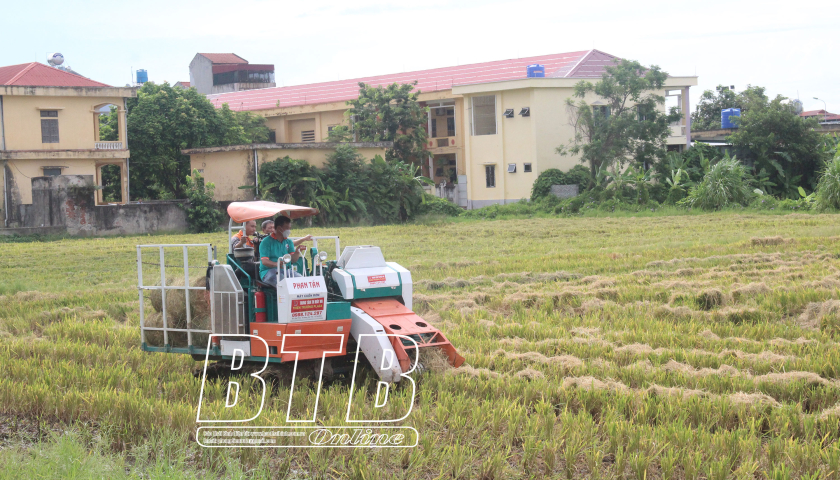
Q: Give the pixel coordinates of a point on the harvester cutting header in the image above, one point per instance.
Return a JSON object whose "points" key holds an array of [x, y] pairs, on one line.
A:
{"points": [[315, 308]]}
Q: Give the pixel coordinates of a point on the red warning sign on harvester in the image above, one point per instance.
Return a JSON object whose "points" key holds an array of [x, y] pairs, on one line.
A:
{"points": [[310, 307], [375, 279]]}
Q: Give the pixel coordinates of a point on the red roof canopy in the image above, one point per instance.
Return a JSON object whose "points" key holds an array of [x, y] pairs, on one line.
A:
{"points": [[584, 64], [39, 75], [241, 212]]}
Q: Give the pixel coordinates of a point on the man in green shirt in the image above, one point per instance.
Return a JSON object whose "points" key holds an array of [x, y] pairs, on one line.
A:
{"points": [[275, 246]]}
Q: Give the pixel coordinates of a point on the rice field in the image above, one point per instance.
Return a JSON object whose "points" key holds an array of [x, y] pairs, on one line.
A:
{"points": [[689, 347]]}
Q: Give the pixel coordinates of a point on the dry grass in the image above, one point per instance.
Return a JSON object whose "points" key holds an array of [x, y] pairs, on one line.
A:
{"points": [[581, 346]]}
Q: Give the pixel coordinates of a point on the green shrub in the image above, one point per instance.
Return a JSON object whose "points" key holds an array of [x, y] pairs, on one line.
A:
{"points": [[828, 188], [578, 175], [675, 194], [547, 178], [203, 213], [436, 205], [725, 185], [658, 192]]}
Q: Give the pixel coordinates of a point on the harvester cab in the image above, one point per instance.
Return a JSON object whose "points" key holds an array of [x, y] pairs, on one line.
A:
{"points": [[327, 309]]}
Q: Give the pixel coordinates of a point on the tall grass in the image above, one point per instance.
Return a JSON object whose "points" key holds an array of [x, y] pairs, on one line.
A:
{"points": [[593, 346], [724, 185], [828, 190]]}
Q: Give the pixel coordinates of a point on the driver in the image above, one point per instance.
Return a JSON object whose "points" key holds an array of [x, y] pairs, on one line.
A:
{"points": [[273, 247]]}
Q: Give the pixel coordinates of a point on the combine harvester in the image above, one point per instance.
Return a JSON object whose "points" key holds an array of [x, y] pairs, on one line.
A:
{"points": [[335, 310]]}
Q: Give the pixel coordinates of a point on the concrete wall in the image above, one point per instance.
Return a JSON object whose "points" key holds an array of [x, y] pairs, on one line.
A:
{"points": [[238, 87], [201, 74], [65, 204]]}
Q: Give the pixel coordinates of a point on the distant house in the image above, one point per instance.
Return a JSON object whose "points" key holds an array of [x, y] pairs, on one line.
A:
{"points": [[212, 73], [492, 127], [184, 85], [49, 126], [824, 117]]}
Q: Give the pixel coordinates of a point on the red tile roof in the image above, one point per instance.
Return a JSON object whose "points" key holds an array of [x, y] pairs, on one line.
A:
{"points": [[814, 113], [585, 64], [224, 57], [39, 75]]}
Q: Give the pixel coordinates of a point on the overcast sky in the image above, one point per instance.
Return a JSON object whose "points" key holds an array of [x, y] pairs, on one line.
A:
{"points": [[786, 47]]}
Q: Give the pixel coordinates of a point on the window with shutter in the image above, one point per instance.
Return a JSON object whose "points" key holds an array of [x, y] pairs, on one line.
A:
{"points": [[490, 174], [307, 136], [484, 115], [49, 130], [434, 127]]}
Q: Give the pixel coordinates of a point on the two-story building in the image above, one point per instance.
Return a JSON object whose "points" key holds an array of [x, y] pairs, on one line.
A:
{"points": [[492, 129], [49, 125]]}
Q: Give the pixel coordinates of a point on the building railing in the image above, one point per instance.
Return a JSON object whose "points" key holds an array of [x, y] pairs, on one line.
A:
{"points": [[440, 142], [677, 130], [108, 145]]}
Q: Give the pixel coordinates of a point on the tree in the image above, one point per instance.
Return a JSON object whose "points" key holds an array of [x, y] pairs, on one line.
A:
{"points": [[706, 115], [781, 146], [395, 191], [627, 125], [203, 214], [391, 114], [345, 173], [163, 120]]}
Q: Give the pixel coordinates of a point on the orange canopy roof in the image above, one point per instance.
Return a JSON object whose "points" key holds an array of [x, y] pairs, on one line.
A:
{"points": [[241, 212]]}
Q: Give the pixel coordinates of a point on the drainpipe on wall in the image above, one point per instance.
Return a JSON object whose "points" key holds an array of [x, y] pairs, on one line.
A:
{"points": [[127, 170], [256, 176], [2, 126], [687, 111], [5, 197]]}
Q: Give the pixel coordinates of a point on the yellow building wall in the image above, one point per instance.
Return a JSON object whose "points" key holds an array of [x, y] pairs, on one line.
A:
{"points": [[231, 170], [228, 171], [553, 128], [24, 170], [287, 128], [296, 127], [518, 140], [76, 121]]}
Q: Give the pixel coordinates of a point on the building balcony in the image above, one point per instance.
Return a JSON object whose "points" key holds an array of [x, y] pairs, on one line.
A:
{"points": [[108, 146], [436, 143]]}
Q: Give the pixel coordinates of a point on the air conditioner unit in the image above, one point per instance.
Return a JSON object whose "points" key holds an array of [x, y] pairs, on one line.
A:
{"points": [[439, 112]]}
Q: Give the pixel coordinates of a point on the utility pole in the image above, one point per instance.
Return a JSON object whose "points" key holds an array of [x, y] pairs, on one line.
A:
{"points": [[825, 109]]}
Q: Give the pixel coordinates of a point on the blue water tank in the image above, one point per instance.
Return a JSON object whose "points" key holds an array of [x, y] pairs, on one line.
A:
{"points": [[142, 76], [536, 71], [726, 117]]}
